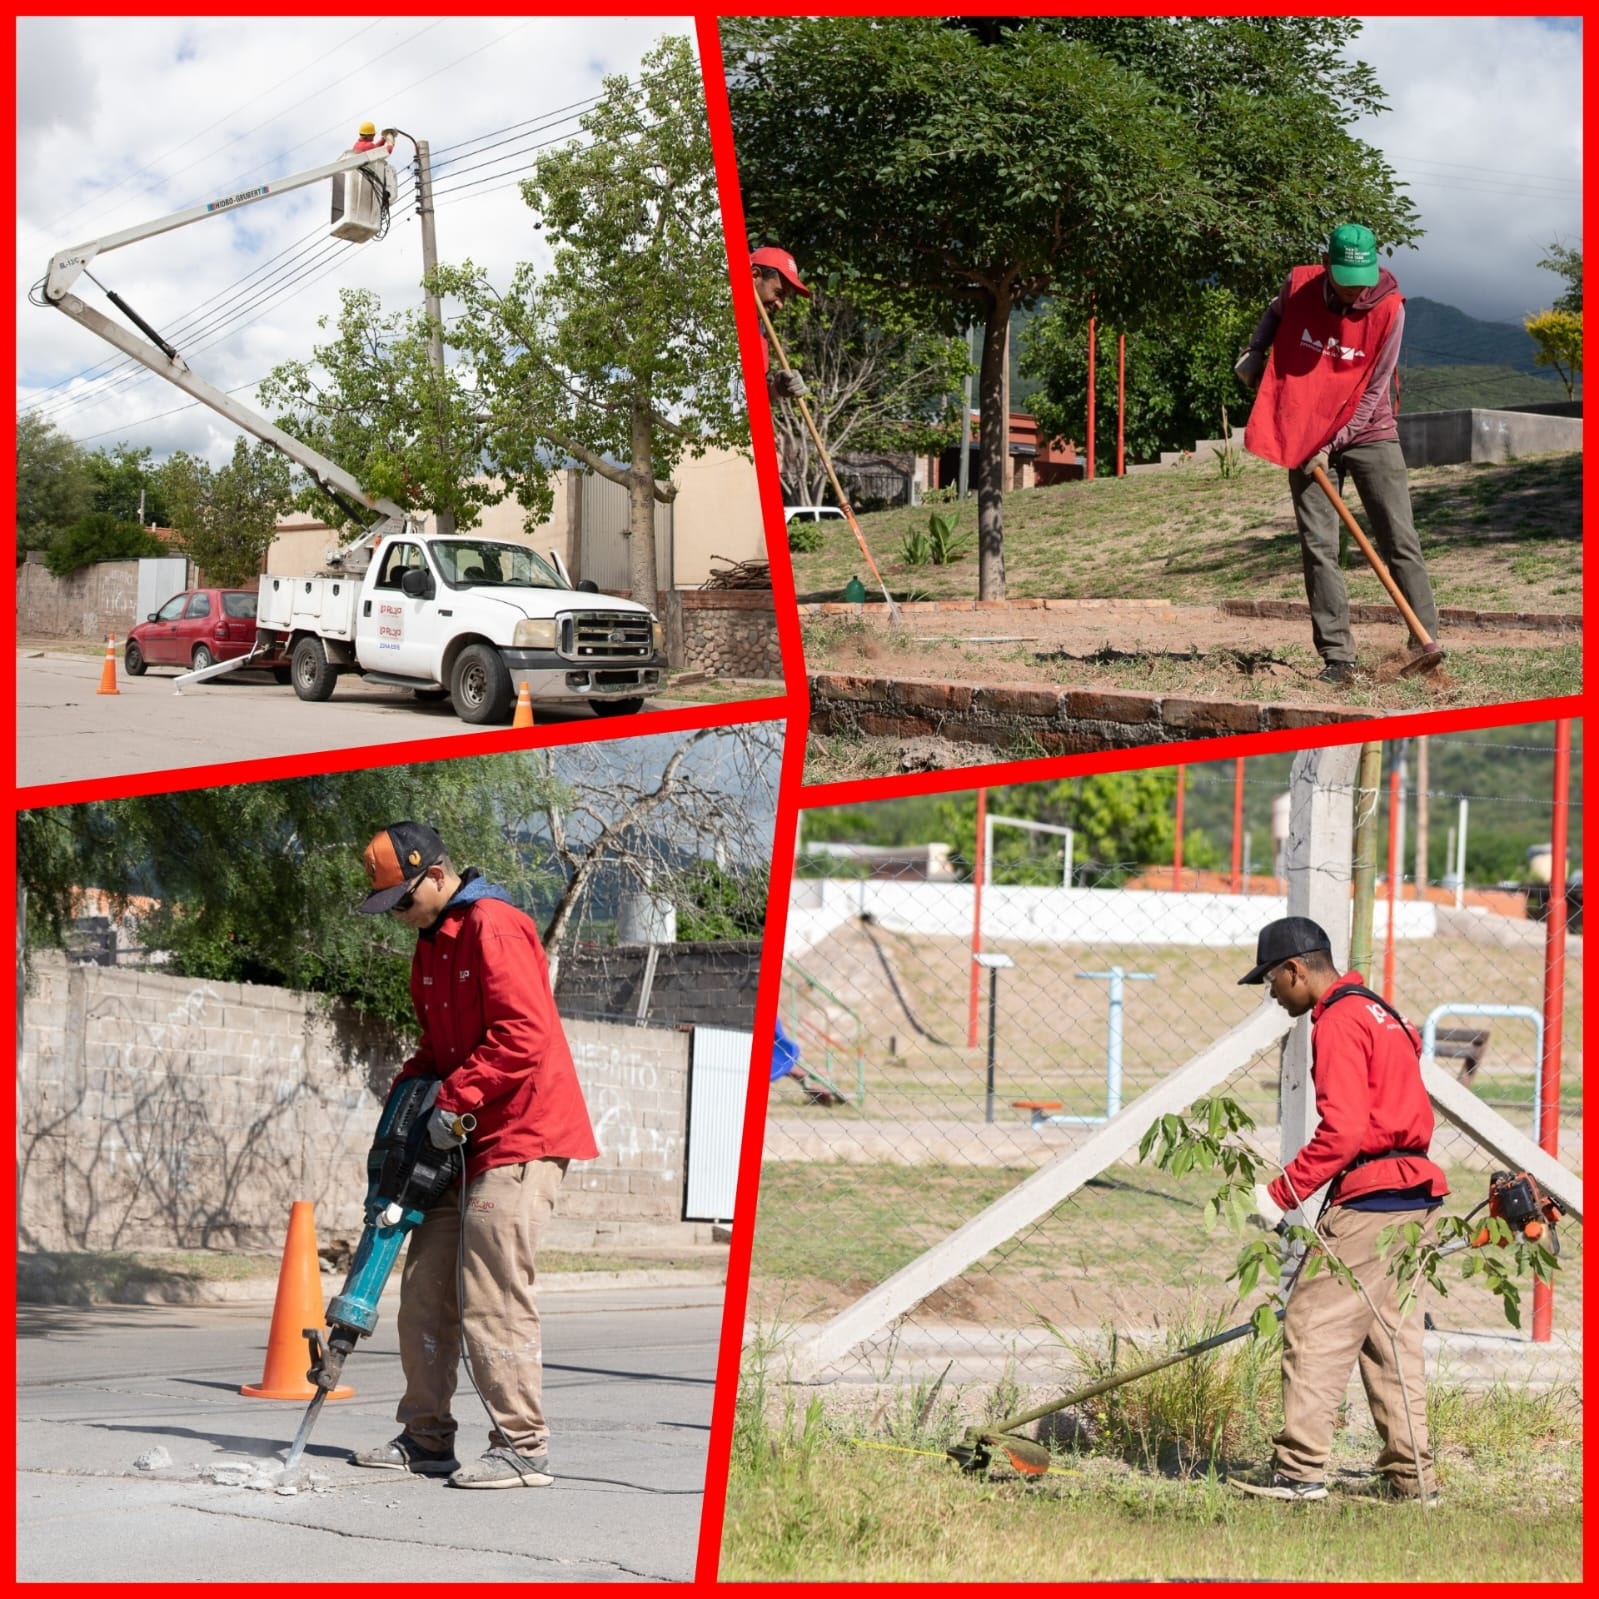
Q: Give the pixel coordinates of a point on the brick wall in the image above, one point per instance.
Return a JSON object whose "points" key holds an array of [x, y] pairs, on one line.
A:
{"points": [[162, 1112], [729, 632], [709, 985], [90, 603]]}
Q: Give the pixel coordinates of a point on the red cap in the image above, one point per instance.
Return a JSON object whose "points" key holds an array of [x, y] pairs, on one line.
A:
{"points": [[781, 262]]}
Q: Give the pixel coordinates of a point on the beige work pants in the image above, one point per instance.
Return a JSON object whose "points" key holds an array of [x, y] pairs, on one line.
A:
{"points": [[506, 1210], [1328, 1327]]}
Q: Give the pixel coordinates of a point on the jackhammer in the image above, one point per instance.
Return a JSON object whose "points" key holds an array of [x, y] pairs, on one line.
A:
{"points": [[406, 1177]]}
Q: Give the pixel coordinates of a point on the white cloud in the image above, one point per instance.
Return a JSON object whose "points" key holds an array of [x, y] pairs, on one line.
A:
{"points": [[1485, 127], [123, 120]]}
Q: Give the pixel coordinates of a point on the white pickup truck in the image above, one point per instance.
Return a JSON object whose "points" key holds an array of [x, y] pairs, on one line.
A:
{"points": [[469, 617]]}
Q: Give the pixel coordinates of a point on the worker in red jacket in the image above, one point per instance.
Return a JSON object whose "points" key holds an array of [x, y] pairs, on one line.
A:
{"points": [[1370, 1145], [777, 278], [480, 987], [366, 138], [1322, 360]]}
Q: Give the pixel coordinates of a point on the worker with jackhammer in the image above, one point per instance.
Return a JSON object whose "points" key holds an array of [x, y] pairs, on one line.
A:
{"points": [[777, 278], [480, 986], [1376, 1124], [1321, 362]]}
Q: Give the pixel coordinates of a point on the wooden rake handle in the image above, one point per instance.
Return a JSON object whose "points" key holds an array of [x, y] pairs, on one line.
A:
{"points": [[1373, 559]]}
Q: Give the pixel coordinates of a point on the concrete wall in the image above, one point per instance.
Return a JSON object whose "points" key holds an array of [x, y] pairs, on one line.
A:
{"points": [[91, 603], [717, 512], [706, 985], [1442, 438], [161, 1112]]}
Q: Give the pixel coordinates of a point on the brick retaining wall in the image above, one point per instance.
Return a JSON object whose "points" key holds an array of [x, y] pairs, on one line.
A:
{"points": [[1064, 721]]}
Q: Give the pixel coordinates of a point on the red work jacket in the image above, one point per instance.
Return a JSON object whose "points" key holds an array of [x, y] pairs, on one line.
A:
{"points": [[480, 986], [1369, 1095], [1321, 362]]}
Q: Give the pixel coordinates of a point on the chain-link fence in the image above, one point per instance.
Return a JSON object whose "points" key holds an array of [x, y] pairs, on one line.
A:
{"points": [[948, 1051]]}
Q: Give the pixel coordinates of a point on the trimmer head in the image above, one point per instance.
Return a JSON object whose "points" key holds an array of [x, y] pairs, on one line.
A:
{"points": [[975, 1453]]}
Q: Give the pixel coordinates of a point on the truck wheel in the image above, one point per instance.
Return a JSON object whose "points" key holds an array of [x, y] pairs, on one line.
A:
{"points": [[133, 659], [480, 686], [314, 675], [617, 707]]}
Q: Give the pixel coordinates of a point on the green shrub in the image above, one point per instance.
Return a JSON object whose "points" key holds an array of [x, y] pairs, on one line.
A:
{"points": [[945, 546], [99, 536], [804, 538]]}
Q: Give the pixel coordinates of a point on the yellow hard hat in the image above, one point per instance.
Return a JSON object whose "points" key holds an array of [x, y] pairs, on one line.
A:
{"points": [[368, 130]]}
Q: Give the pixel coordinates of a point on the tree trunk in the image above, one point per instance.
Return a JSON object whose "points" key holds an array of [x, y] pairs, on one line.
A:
{"points": [[993, 446], [641, 509]]}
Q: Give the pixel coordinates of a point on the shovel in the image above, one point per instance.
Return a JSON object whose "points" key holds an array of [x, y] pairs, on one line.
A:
{"points": [[1431, 654], [975, 1452], [827, 462]]}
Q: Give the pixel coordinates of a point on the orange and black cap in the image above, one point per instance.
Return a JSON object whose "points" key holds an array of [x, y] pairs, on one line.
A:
{"points": [[396, 860]]}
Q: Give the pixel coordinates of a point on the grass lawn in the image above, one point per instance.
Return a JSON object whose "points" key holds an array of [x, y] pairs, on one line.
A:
{"points": [[1496, 537], [809, 1499]]}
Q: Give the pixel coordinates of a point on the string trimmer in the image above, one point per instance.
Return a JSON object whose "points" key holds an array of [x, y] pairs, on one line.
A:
{"points": [[827, 462], [975, 1452]]}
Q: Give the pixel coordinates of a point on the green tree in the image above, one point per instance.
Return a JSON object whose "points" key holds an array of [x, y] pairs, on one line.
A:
{"points": [[623, 356], [373, 401], [228, 518], [52, 482], [1117, 161], [877, 381], [716, 904], [1558, 336], [259, 882], [99, 536], [1566, 261], [1179, 375], [124, 483]]}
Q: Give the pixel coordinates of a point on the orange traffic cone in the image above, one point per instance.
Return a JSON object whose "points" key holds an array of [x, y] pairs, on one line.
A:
{"points": [[298, 1306], [524, 708], [108, 672]]}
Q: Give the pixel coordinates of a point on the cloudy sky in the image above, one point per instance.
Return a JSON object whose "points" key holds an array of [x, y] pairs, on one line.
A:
{"points": [[120, 121], [1485, 128], [123, 120]]}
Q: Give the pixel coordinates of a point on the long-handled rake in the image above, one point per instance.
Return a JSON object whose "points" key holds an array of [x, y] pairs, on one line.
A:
{"points": [[827, 462], [1431, 654]]}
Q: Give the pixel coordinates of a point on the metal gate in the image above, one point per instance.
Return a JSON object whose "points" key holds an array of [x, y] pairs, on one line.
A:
{"points": [[160, 577], [603, 537], [718, 1080]]}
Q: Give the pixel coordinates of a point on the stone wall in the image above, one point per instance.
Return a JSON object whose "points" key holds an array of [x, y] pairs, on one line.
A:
{"points": [[729, 632], [706, 985], [91, 603], [162, 1112]]}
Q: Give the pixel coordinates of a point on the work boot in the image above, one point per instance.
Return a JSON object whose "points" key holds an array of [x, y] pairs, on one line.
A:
{"points": [[406, 1454], [504, 1467], [1338, 673], [1271, 1484]]}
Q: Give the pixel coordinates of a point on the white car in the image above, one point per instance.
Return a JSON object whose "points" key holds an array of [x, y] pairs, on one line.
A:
{"points": [[811, 513]]}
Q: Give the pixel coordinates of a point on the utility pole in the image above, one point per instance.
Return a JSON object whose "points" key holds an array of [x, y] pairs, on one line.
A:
{"points": [[430, 264], [1423, 779]]}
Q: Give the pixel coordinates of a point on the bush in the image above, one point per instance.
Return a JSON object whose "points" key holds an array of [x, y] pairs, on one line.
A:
{"points": [[804, 538], [99, 536]]}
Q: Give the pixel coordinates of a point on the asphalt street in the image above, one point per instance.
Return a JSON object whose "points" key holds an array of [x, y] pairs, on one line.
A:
{"points": [[138, 1460], [67, 731]]}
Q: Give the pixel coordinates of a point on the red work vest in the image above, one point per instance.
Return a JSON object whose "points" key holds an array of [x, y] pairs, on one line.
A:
{"points": [[1320, 363]]}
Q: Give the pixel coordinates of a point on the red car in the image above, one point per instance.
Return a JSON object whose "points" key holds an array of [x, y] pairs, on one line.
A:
{"points": [[198, 628]]}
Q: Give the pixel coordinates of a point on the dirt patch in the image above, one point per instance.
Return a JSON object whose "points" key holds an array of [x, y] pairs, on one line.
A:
{"points": [[1192, 649]]}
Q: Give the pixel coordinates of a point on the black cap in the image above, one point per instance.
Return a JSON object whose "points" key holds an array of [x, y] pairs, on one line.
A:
{"points": [[1282, 940], [396, 860]]}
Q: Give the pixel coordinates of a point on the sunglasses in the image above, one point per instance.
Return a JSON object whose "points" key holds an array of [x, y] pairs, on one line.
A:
{"points": [[407, 899]]}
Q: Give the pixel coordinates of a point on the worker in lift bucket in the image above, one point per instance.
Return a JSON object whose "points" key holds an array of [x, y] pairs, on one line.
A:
{"points": [[489, 1029], [367, 138], [1370, 1149], [777, 279]]}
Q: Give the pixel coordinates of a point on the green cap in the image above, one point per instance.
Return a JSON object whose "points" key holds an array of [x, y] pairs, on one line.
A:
{"points": [[1352, 256]]}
